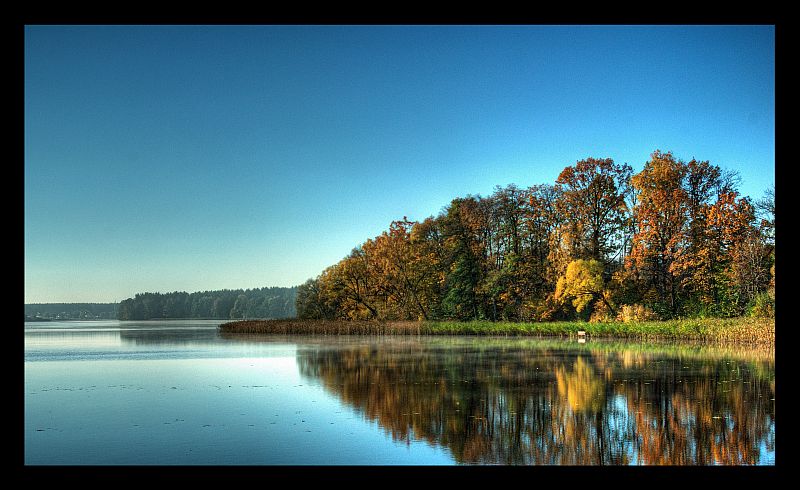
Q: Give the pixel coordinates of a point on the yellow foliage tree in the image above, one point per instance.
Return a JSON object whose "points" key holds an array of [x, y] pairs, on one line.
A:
{"points": [[583, 284]]}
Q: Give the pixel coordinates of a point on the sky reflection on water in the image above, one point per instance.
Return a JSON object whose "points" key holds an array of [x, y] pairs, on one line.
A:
{"points": [[162, 393]]}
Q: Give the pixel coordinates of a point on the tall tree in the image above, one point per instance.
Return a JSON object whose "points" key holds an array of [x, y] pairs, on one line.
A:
{"points": [[461, 228], [695, 264], [310, 303], [401, 271], [765, 208], [661, 221], [730, 223], [428, 250], [593, 205], [352, 283]]}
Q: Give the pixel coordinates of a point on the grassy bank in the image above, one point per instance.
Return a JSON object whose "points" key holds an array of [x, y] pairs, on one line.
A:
{"points": [[739, 330]]}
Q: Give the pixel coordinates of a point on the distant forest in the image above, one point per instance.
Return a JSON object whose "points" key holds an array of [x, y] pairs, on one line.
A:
{"points": [[71, 311], [271, 302], [602, 243]]}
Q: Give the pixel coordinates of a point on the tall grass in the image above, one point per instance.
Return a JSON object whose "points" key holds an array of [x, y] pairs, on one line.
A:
{"points": [[324, 327], [738, 330]]}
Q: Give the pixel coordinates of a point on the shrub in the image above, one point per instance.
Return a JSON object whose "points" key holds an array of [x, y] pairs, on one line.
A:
{"points": [[546, 310], [636, 313], [762, 306], [600, 313]]}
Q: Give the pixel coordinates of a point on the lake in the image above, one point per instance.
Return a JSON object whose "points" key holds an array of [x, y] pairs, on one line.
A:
{"points": [[180, 392]]}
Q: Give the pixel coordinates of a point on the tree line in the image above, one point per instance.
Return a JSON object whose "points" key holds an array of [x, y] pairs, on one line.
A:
{"points": [[673, 240], [268, 302], [71, 311]]}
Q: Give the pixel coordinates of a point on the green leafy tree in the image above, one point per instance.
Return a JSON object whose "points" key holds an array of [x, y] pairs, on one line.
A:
{"points": [[463, 267]]}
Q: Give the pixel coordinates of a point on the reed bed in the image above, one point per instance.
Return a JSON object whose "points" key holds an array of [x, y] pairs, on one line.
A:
{"points": [[325, 327], [729, 330]]}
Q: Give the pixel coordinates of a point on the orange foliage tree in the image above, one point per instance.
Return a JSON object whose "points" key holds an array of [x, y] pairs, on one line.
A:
{"points": [[676, 238], [661, 223]]}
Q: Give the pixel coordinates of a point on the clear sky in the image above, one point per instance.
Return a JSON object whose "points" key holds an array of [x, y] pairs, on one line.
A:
{"points": [[190, 158]]}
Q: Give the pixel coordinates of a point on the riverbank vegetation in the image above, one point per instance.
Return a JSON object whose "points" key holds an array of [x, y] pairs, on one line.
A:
{"points": [[719, 330], [602, 245]]}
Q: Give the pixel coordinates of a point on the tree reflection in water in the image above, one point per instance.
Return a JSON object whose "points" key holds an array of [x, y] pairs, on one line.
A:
{"points": [[491, 401]]}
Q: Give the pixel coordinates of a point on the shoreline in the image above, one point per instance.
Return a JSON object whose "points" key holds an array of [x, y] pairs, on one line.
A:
{"points": [[742, 330]]}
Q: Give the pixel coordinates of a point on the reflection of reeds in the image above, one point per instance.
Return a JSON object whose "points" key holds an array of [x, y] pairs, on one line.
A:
{"points": [[625, 348], [324, 327], [733, 330]]}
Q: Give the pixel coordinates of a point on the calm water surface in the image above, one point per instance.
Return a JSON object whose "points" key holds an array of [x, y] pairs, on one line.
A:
{"points": [[180, 392]]}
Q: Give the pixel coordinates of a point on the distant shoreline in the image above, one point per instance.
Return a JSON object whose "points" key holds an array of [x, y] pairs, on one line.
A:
{"points": [[36, 319], [742, 330]]}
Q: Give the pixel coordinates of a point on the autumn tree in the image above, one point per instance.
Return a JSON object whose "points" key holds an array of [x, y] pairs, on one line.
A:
{"points": [[428, 257], [661, 221], [695, 263], [541, 220], [510, 273], [676, 237], [593, 205], [583, 285], [348, 286], [751, 264], [404, 271], [731, 223]]}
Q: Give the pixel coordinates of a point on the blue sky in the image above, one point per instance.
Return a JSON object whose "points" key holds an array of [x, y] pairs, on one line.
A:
{"points": [[188, 158]]}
